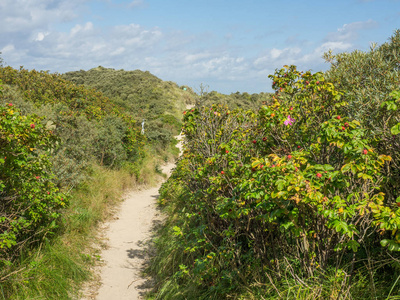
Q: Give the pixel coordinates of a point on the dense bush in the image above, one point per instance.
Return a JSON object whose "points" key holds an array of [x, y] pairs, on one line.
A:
{"points": [[299, 199], [30, 202]]}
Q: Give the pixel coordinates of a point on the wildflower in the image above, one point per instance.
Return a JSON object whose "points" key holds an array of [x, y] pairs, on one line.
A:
{"points": [[289, 121]]}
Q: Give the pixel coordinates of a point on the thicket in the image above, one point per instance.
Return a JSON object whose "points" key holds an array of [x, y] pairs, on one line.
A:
{"points": [[299, 199]]}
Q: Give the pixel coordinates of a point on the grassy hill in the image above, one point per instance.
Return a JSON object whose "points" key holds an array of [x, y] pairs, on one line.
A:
{"points": [[143, 96]]}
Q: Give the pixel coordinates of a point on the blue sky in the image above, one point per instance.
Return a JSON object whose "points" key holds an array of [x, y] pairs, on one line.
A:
{"points": [[228, 46]]}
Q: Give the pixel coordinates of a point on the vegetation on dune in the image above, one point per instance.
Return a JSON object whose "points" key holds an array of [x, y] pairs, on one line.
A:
{"points": [[57, 140], [142, 96], [297, 200], [291, 195]]}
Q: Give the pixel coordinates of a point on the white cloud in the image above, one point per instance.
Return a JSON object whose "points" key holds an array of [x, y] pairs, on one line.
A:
{"points": [[8, 48], [40, 36], [28, 15], [136, 3], [77, 29], [350, 32]]}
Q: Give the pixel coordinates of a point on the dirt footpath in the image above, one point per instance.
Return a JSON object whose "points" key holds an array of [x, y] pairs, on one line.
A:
{"points": [[127, 238]]}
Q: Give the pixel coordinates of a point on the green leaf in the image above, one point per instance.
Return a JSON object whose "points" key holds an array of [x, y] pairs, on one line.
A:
{"points": [[395, 129], [280, 184], [345, 168]]}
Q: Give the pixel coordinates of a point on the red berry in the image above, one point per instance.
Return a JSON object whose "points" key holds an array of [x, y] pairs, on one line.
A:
{"points": [[222, 172], [264, 139], [10, 104], [307, 82], [291, 108], [319, 175], [343, 128], [226, 151], [32, 125], [289, 156], [338, 117], [346, 124], [365, 151], [317, 82], [48, 193], [254, 141], [37, 177], [298, 147], [398, 204]]}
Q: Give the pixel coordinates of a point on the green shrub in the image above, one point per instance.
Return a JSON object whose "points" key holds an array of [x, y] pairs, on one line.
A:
{"points": [[30, 202], [293, 194]]}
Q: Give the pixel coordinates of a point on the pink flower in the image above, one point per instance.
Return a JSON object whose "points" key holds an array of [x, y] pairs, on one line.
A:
{"points": [[289, 121]]}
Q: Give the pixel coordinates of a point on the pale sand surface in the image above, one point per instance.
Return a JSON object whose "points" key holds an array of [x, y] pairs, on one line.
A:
{"points": [[128, 238]]}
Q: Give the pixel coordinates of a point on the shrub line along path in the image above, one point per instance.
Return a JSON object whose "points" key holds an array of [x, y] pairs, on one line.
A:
{"points": [[127, 237]]}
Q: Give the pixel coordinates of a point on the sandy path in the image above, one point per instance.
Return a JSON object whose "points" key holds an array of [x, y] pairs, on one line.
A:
{"points": [[127, 237]]}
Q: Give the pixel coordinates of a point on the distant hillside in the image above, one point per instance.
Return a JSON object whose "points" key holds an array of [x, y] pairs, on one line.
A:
{"points": [[236, 100], [142, 95]]}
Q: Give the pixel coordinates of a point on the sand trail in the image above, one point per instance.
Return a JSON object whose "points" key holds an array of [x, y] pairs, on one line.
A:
{"points": [[128, 238]]}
